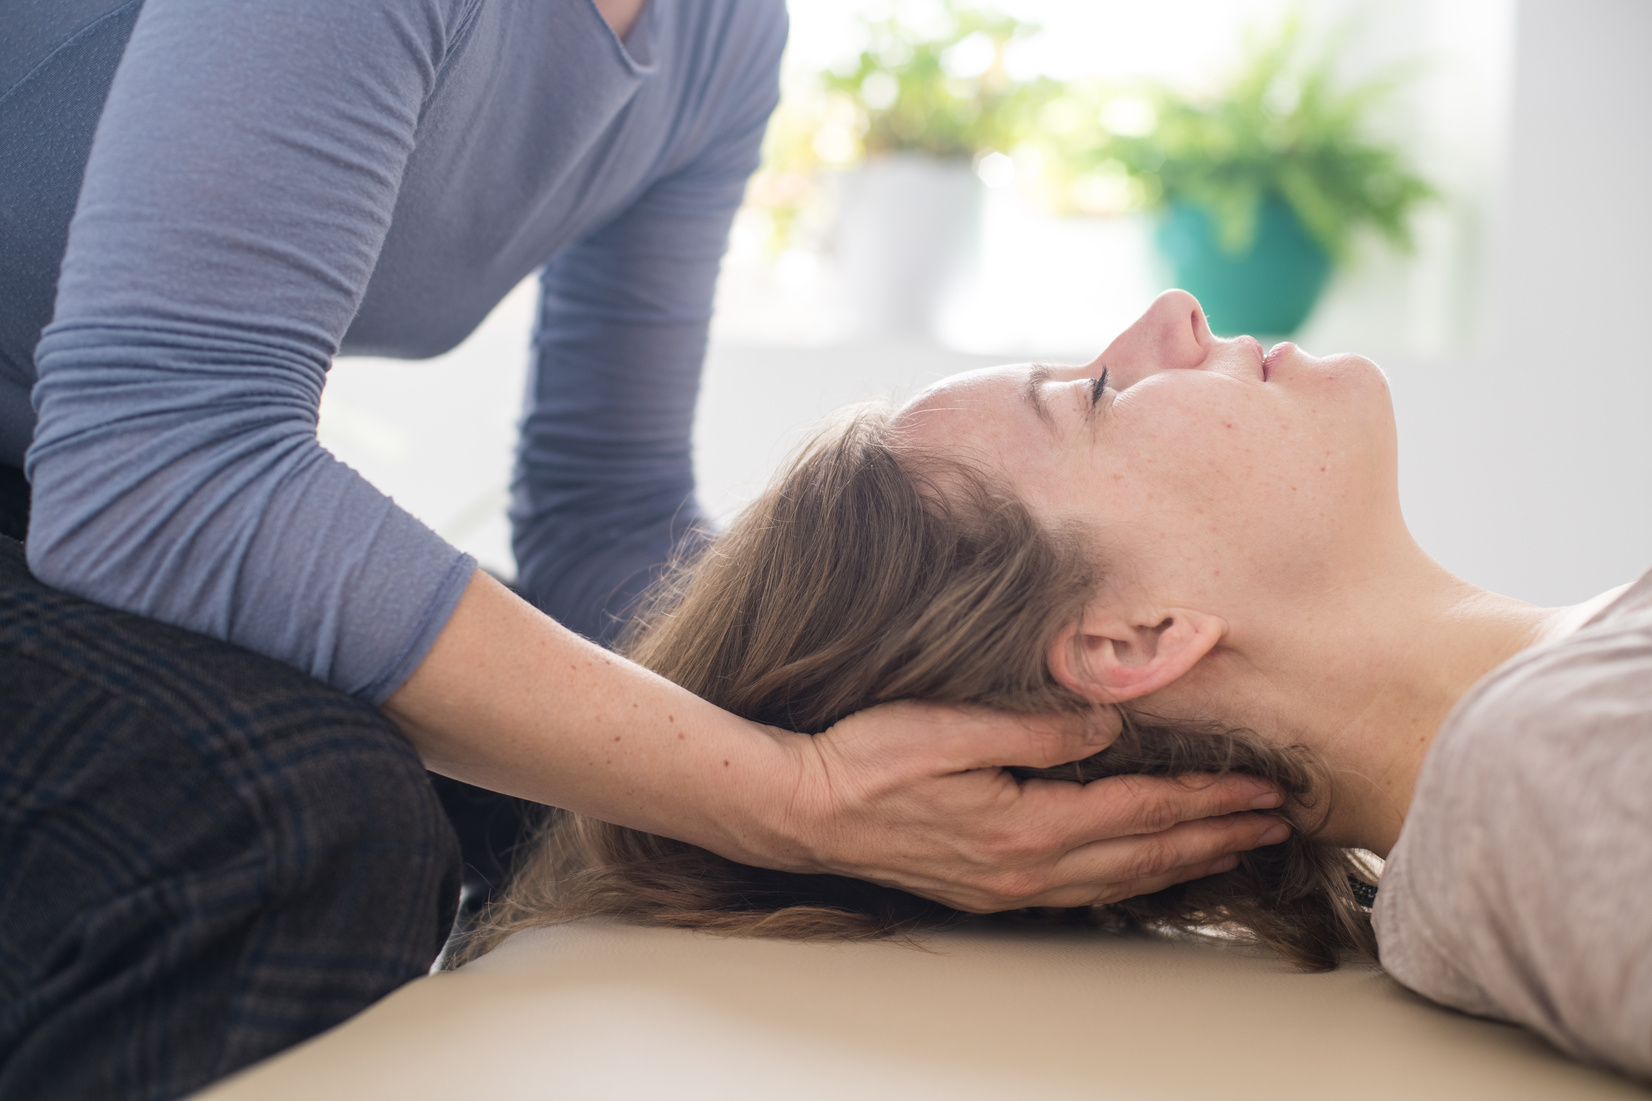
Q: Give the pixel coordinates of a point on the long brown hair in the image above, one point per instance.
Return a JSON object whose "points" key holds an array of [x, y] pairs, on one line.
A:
{"points": [[866, 574]]}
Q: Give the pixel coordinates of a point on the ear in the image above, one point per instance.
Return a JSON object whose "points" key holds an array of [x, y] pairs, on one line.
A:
{"points": [[1110, 659]]}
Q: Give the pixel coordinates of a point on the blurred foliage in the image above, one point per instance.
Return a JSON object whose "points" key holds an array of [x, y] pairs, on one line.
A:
{"points": [[941, 91], [1285, 125], [938, 90]]}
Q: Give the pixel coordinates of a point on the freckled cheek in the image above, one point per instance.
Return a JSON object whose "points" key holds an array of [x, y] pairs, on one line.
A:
{"points": [[1224, 488], [1189, 471]]}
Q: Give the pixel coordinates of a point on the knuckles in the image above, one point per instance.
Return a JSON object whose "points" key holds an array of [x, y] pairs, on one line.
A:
{"points": [[1147, 857], [1023, 849], [1007, 891], [1153, 808], [1025, 841]]}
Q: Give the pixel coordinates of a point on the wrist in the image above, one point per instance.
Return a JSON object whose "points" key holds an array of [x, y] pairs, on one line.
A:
{"points": [[772, 819]]}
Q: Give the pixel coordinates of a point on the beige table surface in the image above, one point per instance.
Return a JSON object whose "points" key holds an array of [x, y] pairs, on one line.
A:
{"points": [[601, 1011]]}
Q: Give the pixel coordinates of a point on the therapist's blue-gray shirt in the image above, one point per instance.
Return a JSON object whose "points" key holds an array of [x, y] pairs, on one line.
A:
{"points": [[272, 182]]}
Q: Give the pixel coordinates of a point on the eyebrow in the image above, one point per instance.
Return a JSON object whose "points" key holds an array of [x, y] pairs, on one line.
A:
{"points": [[1036, 378]]}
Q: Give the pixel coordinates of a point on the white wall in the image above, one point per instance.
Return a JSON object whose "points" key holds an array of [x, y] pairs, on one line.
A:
{"points": [[1528, 469]]}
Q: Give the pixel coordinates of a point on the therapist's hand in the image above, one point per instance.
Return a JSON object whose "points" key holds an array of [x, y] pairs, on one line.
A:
{"points": [[916, 796]]}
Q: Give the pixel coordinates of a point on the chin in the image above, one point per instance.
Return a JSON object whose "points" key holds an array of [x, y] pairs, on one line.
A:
{"points": [[1366, 368], [1358, 386]]}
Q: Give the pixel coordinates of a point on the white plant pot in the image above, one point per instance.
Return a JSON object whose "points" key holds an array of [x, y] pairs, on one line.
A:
{"points": [[907, 239]]}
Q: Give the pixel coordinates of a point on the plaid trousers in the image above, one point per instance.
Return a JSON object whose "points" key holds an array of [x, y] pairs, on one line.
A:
{"points": [[205, 856]]}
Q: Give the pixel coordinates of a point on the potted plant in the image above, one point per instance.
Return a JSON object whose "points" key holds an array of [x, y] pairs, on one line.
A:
{"points": [[930, 106], [1264, 187]]}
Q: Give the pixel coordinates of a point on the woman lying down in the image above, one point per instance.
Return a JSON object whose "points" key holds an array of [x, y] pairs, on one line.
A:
{"points": [[1210, 539]]}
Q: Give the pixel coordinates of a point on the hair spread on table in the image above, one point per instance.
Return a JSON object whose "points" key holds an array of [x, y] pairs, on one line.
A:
{"points": [[866, 574]]}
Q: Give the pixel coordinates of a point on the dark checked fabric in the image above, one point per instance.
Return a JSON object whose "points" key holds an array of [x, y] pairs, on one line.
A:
{"points": [[14, 503], [494, 831], [205, 856]]}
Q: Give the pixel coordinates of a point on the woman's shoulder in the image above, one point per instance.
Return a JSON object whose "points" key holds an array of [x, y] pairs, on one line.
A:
{"points": [[1555, 727], [1516, 887], [1593, 682]]}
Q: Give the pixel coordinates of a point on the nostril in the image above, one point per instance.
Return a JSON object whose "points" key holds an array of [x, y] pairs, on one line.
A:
{"points": [[1200, 326]]}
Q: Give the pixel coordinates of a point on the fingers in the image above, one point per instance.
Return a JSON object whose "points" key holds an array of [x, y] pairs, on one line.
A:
{"points": [[1118, 892], [1120, 868], [1125, 806], [1109, 871]]}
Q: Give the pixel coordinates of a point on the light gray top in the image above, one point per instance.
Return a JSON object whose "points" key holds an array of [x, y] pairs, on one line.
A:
{"points": [[273, 182], [1521, 886]]}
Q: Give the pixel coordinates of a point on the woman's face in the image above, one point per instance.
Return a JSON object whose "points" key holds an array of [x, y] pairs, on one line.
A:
{"points": [[1212, 474]]}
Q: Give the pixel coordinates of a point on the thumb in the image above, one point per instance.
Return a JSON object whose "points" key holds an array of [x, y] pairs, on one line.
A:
{"points": [[987, 738]]}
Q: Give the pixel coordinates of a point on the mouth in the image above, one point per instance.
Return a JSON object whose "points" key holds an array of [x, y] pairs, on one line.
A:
{"points": [[1271, 361]]}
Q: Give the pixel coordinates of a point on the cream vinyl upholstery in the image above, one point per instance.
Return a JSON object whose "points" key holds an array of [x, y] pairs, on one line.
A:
{"points": [[599, 1011]]}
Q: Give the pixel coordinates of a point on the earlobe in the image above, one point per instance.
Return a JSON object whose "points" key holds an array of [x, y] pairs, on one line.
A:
{"points": [[1111, 661]]}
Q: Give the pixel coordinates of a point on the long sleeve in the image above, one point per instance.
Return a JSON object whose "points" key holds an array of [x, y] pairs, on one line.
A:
{"points": [[604, 485], [238, 192]]}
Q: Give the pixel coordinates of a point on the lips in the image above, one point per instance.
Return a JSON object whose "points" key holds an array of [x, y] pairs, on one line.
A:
{"points": [[1275, 354]]}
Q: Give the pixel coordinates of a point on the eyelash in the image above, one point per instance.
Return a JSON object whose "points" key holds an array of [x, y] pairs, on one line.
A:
{"points": [[1097, 387]]}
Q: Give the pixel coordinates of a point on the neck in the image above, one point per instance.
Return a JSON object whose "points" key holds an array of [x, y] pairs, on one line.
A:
{"points": [[1373, 676], [1375, 734], [620, 15]]}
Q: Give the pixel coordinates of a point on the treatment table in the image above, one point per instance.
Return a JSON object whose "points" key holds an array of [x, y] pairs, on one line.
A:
{"points": [[604, 1012]]}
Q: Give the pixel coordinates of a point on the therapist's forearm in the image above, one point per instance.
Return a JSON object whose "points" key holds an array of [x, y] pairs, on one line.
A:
{"points": [[509, 700]]}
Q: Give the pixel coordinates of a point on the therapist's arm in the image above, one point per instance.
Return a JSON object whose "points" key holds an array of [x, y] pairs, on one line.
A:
{"points": [[907, 795], [603, 491], [236, 199]]}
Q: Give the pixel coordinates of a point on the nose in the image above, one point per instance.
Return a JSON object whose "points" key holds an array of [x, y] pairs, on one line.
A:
{"points": [[1171, 335]]}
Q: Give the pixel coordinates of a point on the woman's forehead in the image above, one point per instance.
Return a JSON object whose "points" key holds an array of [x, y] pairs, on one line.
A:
{"points": [[970, 394], [991, 416]]}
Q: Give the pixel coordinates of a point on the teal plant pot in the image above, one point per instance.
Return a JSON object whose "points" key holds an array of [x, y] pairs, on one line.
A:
{"points": [[1269, 290]]}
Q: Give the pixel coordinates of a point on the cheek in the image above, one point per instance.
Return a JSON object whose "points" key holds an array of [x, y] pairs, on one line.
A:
{"points": [[1225, 491], [1195, 458]]}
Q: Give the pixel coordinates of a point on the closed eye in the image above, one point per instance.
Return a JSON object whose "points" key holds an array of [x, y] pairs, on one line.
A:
{"points": [[1096, 388]]}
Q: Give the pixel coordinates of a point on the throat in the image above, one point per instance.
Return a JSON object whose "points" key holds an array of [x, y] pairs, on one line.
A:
{"points": [[620, 15]]}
